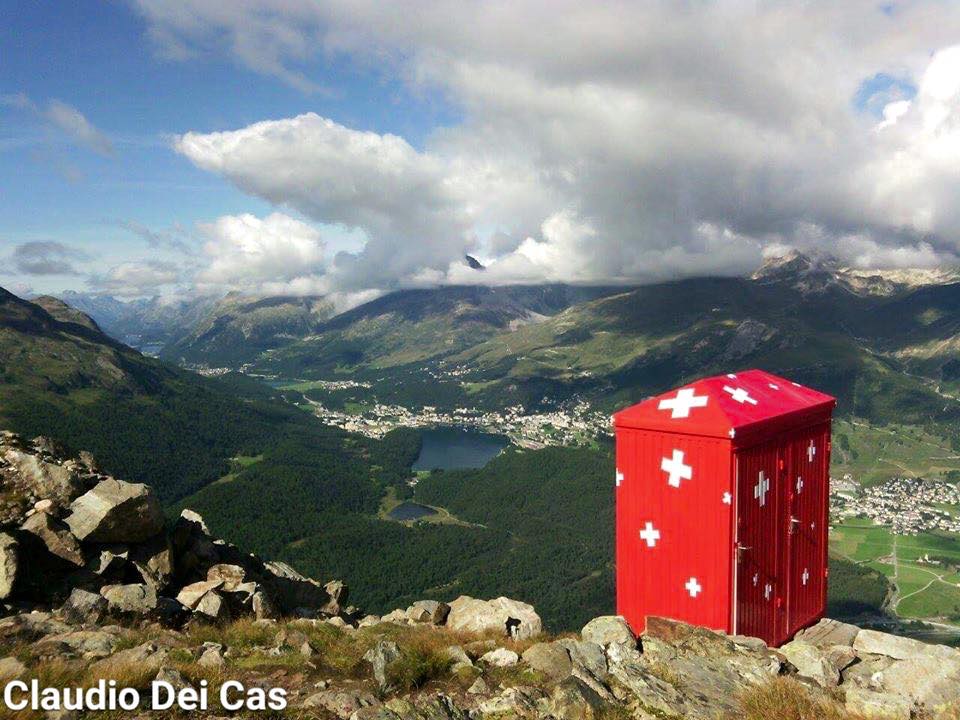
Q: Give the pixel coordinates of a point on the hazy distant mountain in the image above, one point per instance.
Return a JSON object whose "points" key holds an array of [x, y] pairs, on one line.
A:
{"points": [[239, 328]]}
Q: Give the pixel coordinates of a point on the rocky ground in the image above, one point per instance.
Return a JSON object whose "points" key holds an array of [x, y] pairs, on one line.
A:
{"points": [[95, 586]]}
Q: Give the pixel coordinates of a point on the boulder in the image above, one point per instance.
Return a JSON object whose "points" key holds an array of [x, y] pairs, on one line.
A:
{"points": [[458, 658], [811, 663], [147, 658], [79, 643], [929, 681], [212, 657], [608, 629], [501, 657], [230, 576], [341, 703], [116, 511], [503, 615], [882, 706], [111, 562], [872, 642], [513, 702], [428, 611], [153, 560], [380, 656], [8, 565], [573, 699], [263, 607], [828, 632], [213, 606], [56, 536], [84, 607], [44, 479], [338, 592], [549, 659], [291, 590], [172, 677], [135, 599], [191, 595]]}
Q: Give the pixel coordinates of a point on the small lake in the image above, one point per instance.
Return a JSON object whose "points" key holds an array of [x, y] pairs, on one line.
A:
{"points": [[411, 511], [457, 449]]}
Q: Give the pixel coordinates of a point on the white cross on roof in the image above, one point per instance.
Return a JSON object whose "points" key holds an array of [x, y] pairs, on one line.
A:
{"points": [[740, 395], [650, 535], [811, 451], [727, 498], [761, 488], [767, 589], [675, 468], [773, 386], [799, 484], [693, 587], [805, 576], [681, 404], [619, 478]]}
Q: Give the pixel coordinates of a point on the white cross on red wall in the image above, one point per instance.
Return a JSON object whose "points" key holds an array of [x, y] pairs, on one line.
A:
{"points": [[761, 488], [685, 400], [676, 469]]}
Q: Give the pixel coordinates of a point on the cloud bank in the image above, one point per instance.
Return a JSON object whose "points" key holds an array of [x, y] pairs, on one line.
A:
{"points": [[614, 142]]}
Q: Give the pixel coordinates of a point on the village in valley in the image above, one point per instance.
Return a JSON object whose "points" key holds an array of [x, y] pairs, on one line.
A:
{"points": [[909, 506]]}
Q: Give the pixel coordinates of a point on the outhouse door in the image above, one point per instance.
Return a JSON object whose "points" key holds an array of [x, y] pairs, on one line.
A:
{"points": [[760, 544], [805, 477]]}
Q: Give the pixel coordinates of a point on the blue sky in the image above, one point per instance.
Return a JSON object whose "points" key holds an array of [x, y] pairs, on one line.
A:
{"points": [[350, 147], [95, 57]]}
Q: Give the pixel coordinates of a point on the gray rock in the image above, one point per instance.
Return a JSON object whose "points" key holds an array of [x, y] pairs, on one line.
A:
{"points": [[873, 642], [398, 617], [840, 656], [116, 511], [608, 629], [380, 656], [458, 658], [512, 702], [338, 592], [230, 576], [551, 659], [148, 657], [263, 607], [81, 643], [573, 699], [44, 479], [479, 687], [56, 536], [928, 680], [501, 657], [153, 559], [868, 673], [872, 704], [510, 617], [811, 663], [109, 562], [11, 669], [212, 657], [8, 565], [428, 611], [588, 658], [173, 677], [213, 606], [828, 632], [84, 607], [136, 599], [191, 595], [341, 703]]}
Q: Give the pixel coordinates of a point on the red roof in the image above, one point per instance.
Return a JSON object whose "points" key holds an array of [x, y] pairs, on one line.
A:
{"points": [[735, 405]]}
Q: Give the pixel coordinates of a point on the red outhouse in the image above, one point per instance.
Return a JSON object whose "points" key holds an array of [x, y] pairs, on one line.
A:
{"points": [[722, 489]]}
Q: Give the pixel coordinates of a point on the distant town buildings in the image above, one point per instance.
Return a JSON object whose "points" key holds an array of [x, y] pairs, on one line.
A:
{"points": [[907, 505]]}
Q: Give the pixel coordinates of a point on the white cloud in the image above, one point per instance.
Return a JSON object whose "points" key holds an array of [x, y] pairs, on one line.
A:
{"points": [[136, 278], [46, 257], [247, 252], [617, 141], [76, 126]]}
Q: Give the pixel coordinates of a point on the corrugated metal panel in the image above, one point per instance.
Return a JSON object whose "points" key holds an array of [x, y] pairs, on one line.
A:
{"points": [[809, 462], [673, 531], [760, 510]]}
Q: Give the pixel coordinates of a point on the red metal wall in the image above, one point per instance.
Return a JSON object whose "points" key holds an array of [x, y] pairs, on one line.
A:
{"points": [[687, 572], [782, 543]]}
